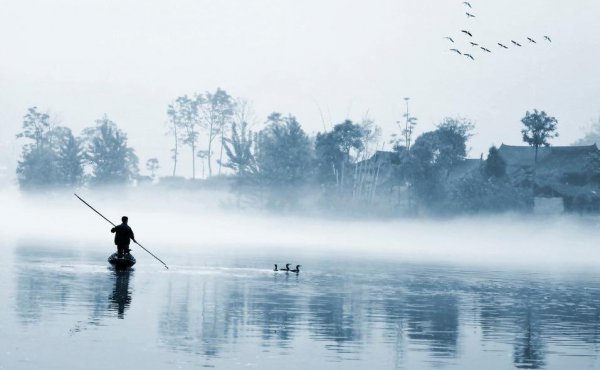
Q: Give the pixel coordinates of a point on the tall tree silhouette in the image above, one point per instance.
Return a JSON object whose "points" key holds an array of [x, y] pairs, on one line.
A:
{"points": [[216, 111], [539, 128], [111, 160], [183, 113]]}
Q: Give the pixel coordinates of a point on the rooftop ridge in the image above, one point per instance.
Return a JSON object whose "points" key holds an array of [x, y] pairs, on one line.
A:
{"points": [[558, 147]]}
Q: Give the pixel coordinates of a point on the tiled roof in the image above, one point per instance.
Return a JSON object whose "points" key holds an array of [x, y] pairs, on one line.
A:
{"points": [[572, 158]]}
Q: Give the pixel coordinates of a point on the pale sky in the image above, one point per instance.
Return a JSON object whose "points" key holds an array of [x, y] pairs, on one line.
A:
{"points": [[80, 59]]}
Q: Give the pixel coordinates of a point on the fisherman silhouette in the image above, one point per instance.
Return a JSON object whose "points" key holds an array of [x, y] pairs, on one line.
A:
{"points": [[123, 234]]}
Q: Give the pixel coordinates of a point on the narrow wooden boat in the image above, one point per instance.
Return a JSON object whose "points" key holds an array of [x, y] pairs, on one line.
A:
{"points": [[123, 262]]}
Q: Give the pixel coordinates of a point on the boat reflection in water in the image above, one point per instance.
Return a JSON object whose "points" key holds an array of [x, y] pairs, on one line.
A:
{"points": [[120, 298]]}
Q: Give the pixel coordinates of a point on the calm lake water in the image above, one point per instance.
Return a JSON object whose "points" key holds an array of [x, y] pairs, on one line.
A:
{"points": [[64, 309]]}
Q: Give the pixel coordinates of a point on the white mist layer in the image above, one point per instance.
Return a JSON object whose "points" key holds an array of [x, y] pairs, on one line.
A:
{"points": [[174, 224]]}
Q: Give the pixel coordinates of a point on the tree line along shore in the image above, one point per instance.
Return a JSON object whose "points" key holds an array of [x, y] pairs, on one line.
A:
{"points": [[280, 167]]}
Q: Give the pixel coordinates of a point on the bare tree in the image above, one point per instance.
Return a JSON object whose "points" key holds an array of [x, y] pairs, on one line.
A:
{"points": [[244, 112], [409, 125], [184, 114], [216, 112], [173, 131]]}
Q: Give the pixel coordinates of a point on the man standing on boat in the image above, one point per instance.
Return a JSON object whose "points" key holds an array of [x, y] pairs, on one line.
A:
{"points": [[123, 234]]}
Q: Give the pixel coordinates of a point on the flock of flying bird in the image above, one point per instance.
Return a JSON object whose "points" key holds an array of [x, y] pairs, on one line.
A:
{"points": [[474, 44]]}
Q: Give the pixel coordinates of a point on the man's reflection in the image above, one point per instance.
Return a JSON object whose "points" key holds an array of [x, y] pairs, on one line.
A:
{"points": [[120, 298]]}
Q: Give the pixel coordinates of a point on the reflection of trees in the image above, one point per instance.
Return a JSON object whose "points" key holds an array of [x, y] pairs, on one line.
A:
{"points": [[506, 309], [337, 313], [422, 308], [276, 312], [234, 310], [174, 321], [528, 346], [49, 282], [434, 319], [491, 314], [196, 319], [334, 317], [37, 291], [537, 311], [427, 308], [37, 288], [203, 315], [393, 309]]}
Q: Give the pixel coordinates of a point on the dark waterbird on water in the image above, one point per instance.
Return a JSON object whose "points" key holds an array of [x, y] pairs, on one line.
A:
{"points": [[287, 267], [297, 269], [115, 227]]}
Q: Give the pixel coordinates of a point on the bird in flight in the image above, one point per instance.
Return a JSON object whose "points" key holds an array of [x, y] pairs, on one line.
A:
{"points": [[502, 45], [456, 51], [547, 38], [516, 43], [531, 40], [449, 38], [484, 49], [467, 4], [474, 43], [467, 33], [469, 56], [470, 15]]}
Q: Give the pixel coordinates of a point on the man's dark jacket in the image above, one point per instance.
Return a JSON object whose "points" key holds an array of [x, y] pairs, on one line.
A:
{"points": [[123, 234]]}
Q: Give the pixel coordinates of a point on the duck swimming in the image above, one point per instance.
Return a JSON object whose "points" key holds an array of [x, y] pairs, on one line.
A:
{"points": [[297, 269]]}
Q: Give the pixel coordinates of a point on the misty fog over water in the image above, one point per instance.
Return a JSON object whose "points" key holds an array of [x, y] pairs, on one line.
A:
{"points": [[200, 222]]}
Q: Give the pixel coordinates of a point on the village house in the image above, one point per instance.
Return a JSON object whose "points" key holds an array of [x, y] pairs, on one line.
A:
{"points": [[566, 176]]}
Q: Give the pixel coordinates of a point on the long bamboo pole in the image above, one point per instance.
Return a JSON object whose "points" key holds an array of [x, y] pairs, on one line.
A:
{"points": [[110, 222]]}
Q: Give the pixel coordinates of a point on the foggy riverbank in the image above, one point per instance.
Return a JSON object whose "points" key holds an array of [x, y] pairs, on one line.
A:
{"points": [[177, 225]]}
